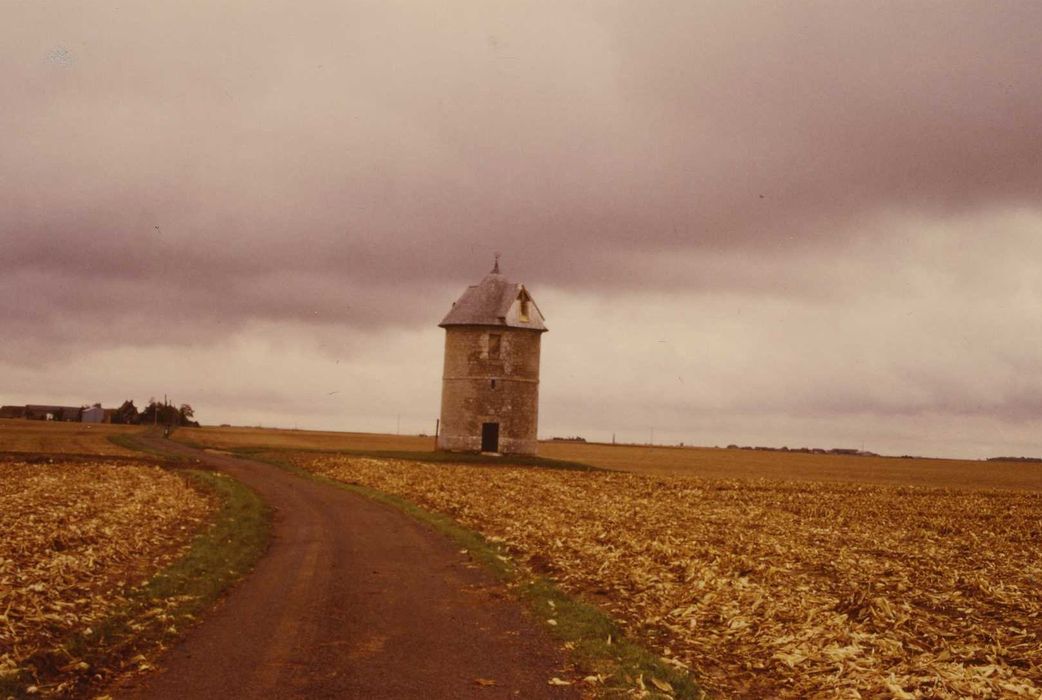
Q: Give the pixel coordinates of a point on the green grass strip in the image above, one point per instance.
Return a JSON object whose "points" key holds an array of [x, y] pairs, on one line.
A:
{"points": [[222, 554], [171, 600]]}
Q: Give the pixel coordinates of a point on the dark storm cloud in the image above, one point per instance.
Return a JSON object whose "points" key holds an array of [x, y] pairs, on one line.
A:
{"points": [[393, 142]]}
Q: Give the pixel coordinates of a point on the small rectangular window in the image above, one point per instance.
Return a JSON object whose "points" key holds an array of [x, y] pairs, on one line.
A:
{"points": [[493, 384], [493, 345]]}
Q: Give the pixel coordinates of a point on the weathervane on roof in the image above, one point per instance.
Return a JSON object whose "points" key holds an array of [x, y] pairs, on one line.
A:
{"points": [[495, 268]]}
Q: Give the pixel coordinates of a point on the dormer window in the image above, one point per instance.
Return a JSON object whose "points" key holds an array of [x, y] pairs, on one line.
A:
{"points": [[523, 314]]}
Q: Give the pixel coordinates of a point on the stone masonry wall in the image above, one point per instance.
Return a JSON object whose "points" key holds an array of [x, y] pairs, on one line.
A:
{"points": [[469, 398]]}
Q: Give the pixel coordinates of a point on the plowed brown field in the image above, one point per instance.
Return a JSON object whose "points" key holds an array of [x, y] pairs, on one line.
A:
{"points": [[716, 463], [282, 439], [51, 437], [772, 588], [705, 462]]}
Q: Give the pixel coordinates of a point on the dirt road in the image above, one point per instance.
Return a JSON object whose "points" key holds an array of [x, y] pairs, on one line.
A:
{"points": [[353, 600]]}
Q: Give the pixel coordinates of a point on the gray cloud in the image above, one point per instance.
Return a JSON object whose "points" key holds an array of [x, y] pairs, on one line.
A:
{"points": [[185, 175]]}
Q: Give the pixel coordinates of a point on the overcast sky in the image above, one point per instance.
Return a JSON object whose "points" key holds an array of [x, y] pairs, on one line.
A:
{"points": [[767, 223]]}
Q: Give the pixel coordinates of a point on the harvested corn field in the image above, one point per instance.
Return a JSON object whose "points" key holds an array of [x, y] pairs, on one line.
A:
{"points": [[75, 539], [772, 588]]}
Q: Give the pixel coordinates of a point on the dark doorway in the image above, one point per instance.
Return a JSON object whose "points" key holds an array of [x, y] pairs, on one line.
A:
{"points": [[490, 437]]}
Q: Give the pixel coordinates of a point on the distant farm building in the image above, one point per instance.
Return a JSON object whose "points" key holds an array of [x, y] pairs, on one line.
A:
{"points": [[45, 412], [93, 414], [490, 385], [66, 414]]}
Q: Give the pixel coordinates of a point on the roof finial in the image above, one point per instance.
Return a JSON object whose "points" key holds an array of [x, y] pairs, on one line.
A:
{"points": [[495, 268]]}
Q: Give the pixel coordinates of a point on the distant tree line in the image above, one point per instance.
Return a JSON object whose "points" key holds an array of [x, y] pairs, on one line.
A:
{"points": [[156, 412], [808, 450]]}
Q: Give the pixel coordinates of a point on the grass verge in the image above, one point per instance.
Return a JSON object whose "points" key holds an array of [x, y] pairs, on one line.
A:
{"points": [[130, 442], [595, 642], [218, 556]]}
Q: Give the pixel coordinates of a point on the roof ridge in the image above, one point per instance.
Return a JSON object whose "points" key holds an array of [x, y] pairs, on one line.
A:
{"points": [[489, 303]]}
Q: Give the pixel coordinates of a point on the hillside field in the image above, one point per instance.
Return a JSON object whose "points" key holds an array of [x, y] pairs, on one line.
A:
{"points": [[703, 462]]}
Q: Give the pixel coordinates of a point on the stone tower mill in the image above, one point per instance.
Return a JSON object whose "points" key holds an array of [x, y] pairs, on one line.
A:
{"points": [[490, 386]]}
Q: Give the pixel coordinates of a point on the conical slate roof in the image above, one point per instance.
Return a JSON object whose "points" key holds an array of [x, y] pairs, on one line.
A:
{"points": [[495, 301]]}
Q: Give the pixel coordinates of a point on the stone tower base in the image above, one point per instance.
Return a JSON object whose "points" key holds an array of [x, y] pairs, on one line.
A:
{"points": [[459, 443]]}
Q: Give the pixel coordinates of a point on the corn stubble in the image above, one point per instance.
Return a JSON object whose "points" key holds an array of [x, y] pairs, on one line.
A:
{"points": [[773, 588], [75, 540]]}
